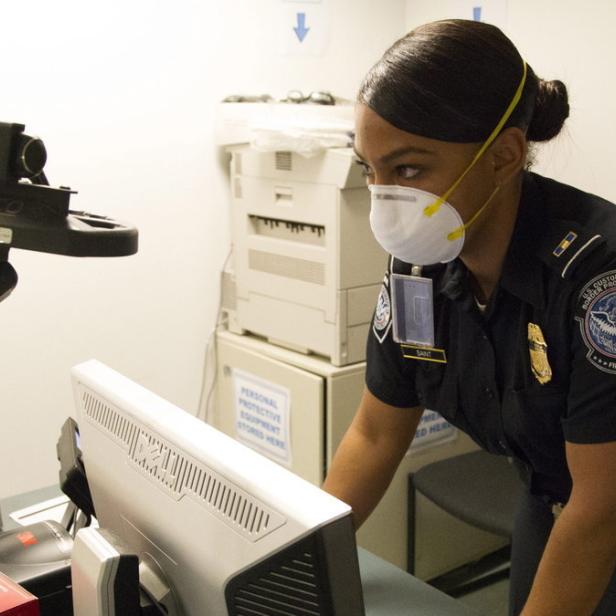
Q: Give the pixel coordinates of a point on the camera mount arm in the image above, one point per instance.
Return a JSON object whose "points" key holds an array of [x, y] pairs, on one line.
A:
{"points": [[35, 216]]}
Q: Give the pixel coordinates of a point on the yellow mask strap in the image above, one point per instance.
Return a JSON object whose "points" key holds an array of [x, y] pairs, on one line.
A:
{"points": [[433, 208], [456, 233]]}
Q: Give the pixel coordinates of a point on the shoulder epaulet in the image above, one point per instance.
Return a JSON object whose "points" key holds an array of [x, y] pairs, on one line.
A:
{"points": [[570, 248], [580, 228]]}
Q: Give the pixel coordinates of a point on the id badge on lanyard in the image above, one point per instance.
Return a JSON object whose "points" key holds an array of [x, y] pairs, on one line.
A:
{"points": [[413, 309]]}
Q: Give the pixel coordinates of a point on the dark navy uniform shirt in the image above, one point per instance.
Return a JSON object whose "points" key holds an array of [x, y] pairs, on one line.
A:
{"points": [[560, 275]]}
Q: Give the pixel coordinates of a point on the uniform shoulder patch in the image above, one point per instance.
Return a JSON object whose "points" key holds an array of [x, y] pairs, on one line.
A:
{"points": [[382, 314], [596, 315]]}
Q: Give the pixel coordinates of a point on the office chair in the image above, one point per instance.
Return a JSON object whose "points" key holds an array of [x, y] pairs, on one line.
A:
{"points": [[480, 489]]}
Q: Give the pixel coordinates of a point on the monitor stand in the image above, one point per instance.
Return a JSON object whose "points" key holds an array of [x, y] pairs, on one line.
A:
{"points": [[109, 580]]}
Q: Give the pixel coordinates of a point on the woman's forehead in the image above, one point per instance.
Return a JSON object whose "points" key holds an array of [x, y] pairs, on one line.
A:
{"points": [[377, 140], [375, 133]]}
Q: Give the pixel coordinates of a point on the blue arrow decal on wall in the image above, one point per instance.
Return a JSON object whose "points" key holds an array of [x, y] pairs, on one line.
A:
{"points": [[301, 29]]}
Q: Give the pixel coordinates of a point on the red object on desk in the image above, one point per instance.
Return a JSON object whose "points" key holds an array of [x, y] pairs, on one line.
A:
{"points": [[15, 600]]}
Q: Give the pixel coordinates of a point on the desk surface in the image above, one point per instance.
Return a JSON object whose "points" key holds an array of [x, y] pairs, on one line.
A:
{"points": [[388, 591]]}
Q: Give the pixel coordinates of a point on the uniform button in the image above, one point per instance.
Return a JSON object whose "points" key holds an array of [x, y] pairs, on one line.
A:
{"points": [[489, 393]]}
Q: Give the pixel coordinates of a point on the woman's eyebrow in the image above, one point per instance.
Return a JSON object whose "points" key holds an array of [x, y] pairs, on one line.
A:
{"points": [[397, 153]]}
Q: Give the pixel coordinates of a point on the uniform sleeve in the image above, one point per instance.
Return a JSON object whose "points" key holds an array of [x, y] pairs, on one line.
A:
{"points": [[389, 377], [591, 406]]}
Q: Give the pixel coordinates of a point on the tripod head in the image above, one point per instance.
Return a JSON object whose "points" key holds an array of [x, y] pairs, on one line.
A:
{"points": [[35, 216]]}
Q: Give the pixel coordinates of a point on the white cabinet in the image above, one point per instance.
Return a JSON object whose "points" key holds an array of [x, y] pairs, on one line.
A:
{"points": [[322, 400]]}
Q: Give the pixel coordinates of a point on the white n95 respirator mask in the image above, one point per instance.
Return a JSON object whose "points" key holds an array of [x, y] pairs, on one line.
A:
{"points": [[404, 224]]}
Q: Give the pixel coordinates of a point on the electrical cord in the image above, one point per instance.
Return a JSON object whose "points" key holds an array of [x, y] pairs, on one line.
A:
{"points": [[204, 412]]}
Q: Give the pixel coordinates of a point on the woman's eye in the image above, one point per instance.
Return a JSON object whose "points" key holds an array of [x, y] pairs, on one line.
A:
{"points": [[366, 170], [407, 172]]}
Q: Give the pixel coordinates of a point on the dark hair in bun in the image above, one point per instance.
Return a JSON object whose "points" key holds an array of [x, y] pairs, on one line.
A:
{"points": [[550, 112], [453, 80]]}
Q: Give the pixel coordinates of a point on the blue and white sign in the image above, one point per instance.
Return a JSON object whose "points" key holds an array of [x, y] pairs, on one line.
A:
{"points": [[262, 417], [303, 27], [432, 430]]}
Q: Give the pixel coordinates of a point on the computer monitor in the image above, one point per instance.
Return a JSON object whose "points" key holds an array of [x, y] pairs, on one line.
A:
{"points": [[233, 532]]}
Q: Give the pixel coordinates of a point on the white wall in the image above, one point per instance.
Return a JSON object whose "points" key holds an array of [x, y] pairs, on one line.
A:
{"points": [[566, 40], [124, 94]]}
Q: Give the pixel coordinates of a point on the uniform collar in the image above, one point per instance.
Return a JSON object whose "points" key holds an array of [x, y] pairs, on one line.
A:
{"points": [[522, 269]]}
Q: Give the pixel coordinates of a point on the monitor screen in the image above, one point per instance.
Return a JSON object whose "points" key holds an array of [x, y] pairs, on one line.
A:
{"points": [[232, 532]]}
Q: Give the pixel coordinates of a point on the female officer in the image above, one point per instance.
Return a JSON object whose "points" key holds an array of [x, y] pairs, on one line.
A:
{"points": [[498, 308]]}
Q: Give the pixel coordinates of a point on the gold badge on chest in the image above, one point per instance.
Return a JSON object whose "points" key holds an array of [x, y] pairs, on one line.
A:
{"points": [[538, 354]]}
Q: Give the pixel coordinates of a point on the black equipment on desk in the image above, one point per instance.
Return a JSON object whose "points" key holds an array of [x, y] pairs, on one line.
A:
{"points": [[35, 216], [38, 557]]}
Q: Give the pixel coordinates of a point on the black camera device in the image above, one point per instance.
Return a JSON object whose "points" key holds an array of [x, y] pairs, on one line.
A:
{"points": [[35, 216]]}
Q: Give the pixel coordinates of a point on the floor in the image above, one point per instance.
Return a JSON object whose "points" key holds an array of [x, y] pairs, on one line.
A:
{"points": [[489, 601]]}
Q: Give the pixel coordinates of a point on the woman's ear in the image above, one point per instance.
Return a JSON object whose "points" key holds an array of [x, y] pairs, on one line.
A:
{"points": [[508, 153]]}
